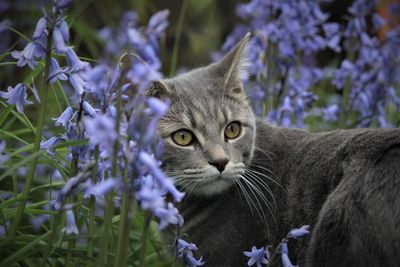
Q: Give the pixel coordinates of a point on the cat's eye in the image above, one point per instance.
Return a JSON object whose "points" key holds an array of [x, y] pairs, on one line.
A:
{"points": [[233, 130], [183, 137]]}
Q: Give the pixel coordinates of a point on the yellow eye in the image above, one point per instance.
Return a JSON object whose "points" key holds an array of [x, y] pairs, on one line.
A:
{"points": [[182, 137], [232, 131]]}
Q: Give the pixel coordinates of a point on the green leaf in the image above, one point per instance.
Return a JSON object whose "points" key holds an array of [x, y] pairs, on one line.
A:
{"points": [[22, 253], [23, 162]]}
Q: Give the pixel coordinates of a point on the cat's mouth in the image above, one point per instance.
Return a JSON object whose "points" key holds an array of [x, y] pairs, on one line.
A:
{"points": [[208, 180]]}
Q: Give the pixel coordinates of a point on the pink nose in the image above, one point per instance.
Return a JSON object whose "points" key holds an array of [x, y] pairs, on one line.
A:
{"points": [[220, 164]]}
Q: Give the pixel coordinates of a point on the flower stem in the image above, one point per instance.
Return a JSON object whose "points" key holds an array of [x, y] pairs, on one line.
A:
{"points": [[124, 223], [109, 209], [92, 207], [143, 240], [38, 138], [177, 41]]}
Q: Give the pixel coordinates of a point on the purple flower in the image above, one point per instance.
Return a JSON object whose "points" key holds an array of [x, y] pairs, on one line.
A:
{"points": [[40, 28], [64, 117], [37, 221], [257, 256], [101, 131], [56, 72], [149, 196], [169, 215], [158, 23], [27, 55], [77, 83], [59, 41], [157, 106], [100, 189], [299, 232], [156, 172], [70, 227], [89, 110], [75, 64], [16, 95], [50, 144], [184, 250], [61, 4]]}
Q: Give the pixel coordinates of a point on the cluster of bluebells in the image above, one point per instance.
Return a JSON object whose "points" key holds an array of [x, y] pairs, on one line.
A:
{"points": [[118, 138], [262, 256], [287, 36], [371, 72]]}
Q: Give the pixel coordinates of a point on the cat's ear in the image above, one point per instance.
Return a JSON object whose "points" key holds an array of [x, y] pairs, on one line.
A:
{"points": [[159, 89], [233, 67]]}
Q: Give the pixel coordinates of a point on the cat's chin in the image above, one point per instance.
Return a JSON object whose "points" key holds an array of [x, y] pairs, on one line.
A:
{"points": [[213, 186]]}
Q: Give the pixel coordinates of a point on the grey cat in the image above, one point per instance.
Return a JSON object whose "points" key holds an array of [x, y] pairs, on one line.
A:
{"points": [[248, 183]]}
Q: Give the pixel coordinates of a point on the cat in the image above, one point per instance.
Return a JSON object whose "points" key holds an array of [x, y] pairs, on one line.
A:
{"points": [[248, 183]]}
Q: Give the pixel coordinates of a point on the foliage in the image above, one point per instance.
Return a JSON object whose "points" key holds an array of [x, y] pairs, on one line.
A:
{"points": [[80, 175]]}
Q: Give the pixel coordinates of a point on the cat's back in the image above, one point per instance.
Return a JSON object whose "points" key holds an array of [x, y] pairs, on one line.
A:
{"points": [[345, 184]]}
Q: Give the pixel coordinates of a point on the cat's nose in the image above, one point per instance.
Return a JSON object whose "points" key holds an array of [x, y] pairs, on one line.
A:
{"points": [[220, 164]]}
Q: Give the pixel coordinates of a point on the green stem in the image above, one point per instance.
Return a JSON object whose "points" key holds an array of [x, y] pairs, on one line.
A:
{"points": [[92, 211], [178, 33], [38, 139], [124, 223], [345, 102], [109, 210], [143, 240]]}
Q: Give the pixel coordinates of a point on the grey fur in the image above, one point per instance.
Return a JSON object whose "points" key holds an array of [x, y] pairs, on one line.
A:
{"points": [[344, 183]]}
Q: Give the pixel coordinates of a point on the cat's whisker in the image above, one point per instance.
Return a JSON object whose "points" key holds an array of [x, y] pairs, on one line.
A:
{"points": [[268, 154], [266, 176], [262, 183], [266, 201], [246, 196], [255, 191]]}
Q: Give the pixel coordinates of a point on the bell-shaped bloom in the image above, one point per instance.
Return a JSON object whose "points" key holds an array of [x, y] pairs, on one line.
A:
{"points": [[257, 256], [70, 227], [75, 64], [17, 95], [56, 72], [64, 117], [40, 28], [59, 42], [27, 55]]}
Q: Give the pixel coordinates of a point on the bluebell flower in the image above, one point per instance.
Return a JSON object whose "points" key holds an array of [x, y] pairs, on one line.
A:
{"points": [[75, 64], [27, 55], [100, 189], [16, 95], [184, 250], [50, 144], [70, 227], [299, 232], [100, 130], [38, 221], [158, 22], [56, 72], [60, 43], [158, 106], [88, 109], [61, 4], [77, 83], [257, 256], [331, 112], [161, 178], [149, 196], [40, 28], [168, 215], [64, 117]]}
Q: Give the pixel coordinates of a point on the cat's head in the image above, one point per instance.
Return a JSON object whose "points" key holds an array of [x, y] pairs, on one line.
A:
{"points": [[209, 129]]}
